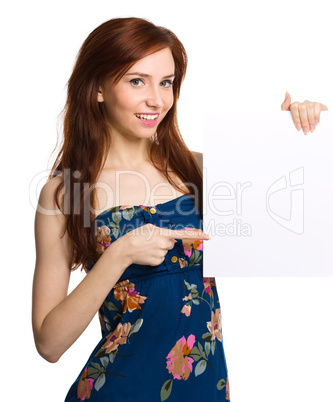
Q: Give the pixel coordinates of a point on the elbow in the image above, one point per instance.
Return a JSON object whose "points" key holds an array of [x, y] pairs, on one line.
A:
{"points": [[50, 358], [47, 348], [47, 354]]}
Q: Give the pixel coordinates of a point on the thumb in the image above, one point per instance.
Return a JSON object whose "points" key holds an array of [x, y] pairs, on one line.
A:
{"points": [[286, 103]]}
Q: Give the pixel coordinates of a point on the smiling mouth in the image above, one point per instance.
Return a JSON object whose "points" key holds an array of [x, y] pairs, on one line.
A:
{"points": [[148, 117]]}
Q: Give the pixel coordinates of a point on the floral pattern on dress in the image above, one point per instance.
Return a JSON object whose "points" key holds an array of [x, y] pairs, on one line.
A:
{"points": [[85, 386], [190, 245], [131, 299], [117, 337], [192, 250], [209, 283], [180, 360], [94, 375], [227, 396], [214, 326], [103, 239], [194, 298], [191, 354]]}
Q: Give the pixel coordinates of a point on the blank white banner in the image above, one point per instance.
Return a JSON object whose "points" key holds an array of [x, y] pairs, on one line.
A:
{"points": [[268, 196]]}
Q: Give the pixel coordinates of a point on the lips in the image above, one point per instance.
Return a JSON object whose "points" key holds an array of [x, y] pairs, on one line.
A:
{"points": [[147, 119]]}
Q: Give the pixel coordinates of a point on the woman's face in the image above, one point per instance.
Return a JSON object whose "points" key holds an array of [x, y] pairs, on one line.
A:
{"points": [[136, 105]]}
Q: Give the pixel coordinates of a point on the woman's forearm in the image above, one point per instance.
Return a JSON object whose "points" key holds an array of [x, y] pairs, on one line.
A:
{"points": [[65, 323]]}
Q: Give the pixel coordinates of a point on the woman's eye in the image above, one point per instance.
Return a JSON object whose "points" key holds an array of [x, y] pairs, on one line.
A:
{"points": [[166, 83], [137, 82]]}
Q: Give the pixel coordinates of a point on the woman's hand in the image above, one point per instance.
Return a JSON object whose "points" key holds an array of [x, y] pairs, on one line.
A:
{"points": [[306, 115], [148, 244]]}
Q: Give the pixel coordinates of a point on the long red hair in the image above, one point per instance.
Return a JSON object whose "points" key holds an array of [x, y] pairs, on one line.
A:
{"points": [[109, 52]]}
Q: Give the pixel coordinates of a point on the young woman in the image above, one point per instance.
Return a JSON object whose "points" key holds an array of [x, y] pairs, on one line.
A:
{"points": [[124, 202]]}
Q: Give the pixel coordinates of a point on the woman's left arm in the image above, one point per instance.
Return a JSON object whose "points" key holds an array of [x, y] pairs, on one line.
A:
{"points": [[306, 115]]}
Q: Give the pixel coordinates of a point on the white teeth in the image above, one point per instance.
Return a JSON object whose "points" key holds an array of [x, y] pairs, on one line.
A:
{"points": [[146, 116]]}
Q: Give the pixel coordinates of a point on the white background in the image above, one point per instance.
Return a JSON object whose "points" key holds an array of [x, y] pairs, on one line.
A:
{"points": [[242, 56]]}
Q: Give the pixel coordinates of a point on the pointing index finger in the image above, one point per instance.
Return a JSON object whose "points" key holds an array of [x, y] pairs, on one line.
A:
{"points": [[190, 233]]}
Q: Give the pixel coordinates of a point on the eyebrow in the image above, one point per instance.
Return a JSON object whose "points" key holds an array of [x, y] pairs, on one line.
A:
{"points": [[147, 75]]}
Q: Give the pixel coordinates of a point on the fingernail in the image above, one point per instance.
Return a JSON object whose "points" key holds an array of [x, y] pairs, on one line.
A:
{"points": [[305, 129], [317, 121], [312, 128], [207, 236], [298, 126]]}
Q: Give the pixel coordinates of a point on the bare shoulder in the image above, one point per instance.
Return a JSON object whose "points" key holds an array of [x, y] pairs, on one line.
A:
{"points": [[199, 158], [46, 198], [54, 248]]}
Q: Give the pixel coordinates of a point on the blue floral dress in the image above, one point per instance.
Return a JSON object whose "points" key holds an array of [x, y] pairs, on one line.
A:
{"points": [[161, 326]]}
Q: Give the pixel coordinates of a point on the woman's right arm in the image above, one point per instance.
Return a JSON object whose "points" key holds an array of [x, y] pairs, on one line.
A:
{"points": [[59, 319]]}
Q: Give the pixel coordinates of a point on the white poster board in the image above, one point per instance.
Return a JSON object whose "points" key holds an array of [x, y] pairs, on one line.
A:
{"points": [[268, 196]]}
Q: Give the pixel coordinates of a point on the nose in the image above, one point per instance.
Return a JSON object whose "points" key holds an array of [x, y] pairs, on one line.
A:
{"points": [[154, 98]]}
